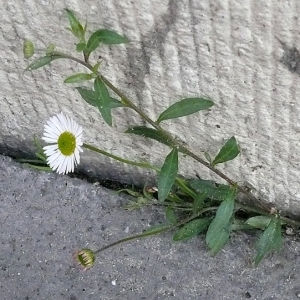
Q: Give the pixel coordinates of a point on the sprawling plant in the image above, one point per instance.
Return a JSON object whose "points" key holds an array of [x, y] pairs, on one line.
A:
{"points": [[191, 206]]}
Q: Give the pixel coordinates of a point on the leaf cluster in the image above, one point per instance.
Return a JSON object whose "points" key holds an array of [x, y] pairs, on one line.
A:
{"points": [[192, 206]]}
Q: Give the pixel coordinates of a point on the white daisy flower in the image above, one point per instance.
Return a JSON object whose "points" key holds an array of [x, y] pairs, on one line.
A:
{"points": [[65, 135]]}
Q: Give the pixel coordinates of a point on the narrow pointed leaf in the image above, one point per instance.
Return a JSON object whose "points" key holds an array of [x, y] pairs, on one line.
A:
{"points": [[103, 100], [148, 133], [170, 215], [219, 229], [191, 229], [212, 189], [184, 107], [76, 27], [167, 175], [228, 152], [77, 78], [270, 240], [199, 202], [260, 222], [104, 36], [40, 62]]}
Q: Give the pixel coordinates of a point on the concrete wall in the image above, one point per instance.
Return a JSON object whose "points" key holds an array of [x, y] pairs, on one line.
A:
{"points": [[242, 54]]}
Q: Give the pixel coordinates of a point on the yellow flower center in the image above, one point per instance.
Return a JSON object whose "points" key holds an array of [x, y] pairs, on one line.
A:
{"points": [[67, 143]]}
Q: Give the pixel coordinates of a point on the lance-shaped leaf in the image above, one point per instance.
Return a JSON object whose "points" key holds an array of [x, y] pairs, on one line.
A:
{"points": [[260, 222], [104, 36], [191, 229], [219, 229], [228, 152], [213, 190], [184, 107], [270, 240], [40, 62], [147, 132], [167, 175], [76, 27], [103, 100], [77, 78]]}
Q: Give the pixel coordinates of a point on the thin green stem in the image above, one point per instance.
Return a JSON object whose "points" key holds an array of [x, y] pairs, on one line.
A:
{"points": [[177, 144], [133, 237], [163, 229], [120, 159]]}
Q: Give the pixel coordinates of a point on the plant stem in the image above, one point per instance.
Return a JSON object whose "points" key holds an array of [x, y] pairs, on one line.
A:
{"points": [[164, 229], [120, 159], [177, 144]]}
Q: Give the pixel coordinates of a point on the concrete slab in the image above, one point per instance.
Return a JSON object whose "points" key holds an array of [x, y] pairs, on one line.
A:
{"points": [[46, 217], [242, 55]]}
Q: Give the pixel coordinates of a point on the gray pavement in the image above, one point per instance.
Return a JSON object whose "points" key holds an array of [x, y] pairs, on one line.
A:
{"points": [[46, 217]]}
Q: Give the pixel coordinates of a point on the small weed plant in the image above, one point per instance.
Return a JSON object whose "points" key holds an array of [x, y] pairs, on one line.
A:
{"points": [[191, 206]]}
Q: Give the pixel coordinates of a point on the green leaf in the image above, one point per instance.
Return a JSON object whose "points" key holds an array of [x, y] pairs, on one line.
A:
{"points": [[88, 95], [167, 175], [184, 107], [219, 229], [270, 240], [213, 190], [148, 133], [91, 98], [228, 152], [80, 47], [40, 62], [103, 100], [260, 222], [104, 36], [76, 27], [28, 49], [170, 215], [191, 229], [198, 202], [79, 77]]}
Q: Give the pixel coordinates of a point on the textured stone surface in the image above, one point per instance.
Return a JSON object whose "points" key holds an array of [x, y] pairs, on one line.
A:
{"points": [[46, 217], [242, 55]]}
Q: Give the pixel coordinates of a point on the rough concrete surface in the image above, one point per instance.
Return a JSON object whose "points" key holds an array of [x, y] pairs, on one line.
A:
{"points": [[242, 54], [46, 217]]}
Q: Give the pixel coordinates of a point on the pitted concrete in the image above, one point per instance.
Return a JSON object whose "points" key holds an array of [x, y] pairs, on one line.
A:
{"points": [[46, 217]]}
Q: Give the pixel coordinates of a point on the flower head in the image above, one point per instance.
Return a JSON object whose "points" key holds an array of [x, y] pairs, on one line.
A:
{"points": [[65, 137], [85, 258]]}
